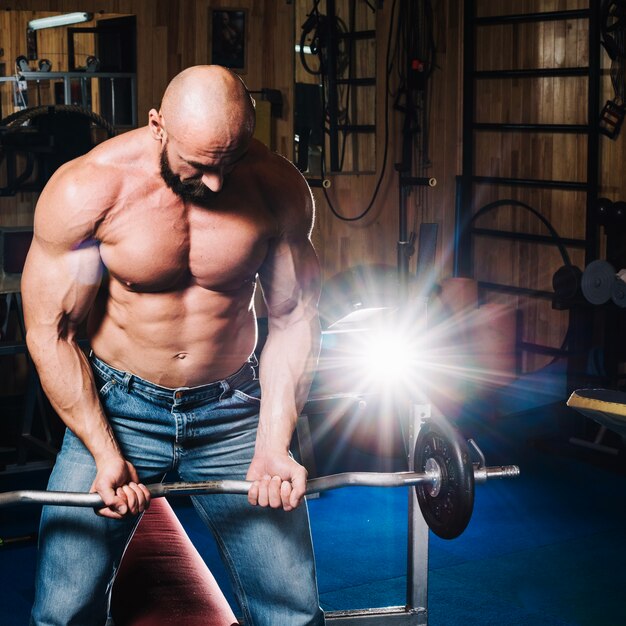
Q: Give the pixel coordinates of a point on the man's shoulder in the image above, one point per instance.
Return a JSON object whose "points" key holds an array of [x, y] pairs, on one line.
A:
{"points": [[279, 179], [269, 161], [96, 178], [118, 157]]}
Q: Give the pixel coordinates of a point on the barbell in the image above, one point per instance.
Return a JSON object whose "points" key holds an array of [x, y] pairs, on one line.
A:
{"points": [[601, 283], [443, 479]]}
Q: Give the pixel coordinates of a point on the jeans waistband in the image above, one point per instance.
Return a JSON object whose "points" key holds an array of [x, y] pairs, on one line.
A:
{"points": [[179, 395]]}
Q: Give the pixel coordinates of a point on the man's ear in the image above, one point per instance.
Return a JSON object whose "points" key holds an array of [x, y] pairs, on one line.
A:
{"points": [[155, 122]]}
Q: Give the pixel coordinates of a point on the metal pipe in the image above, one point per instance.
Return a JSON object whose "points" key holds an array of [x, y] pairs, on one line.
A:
{"points": [[331, 74], [418, 180], [112, 80], [348, 479], [544, 16], [67, 90]]}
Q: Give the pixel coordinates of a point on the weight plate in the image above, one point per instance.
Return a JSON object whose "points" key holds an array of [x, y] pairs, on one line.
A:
{"points": [[618, 293], [566, 282], [597, 282], [448, 510]]}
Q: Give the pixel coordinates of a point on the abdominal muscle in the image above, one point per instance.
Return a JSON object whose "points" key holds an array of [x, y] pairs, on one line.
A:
{"points": [[183, 338]]}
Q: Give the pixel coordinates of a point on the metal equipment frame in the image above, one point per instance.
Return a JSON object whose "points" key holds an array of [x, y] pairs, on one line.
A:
{"points": [[415, 611], [67, 78]]}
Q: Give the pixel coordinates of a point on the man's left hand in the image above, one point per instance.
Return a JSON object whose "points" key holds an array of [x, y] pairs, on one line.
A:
{"points": [[277, 481]]}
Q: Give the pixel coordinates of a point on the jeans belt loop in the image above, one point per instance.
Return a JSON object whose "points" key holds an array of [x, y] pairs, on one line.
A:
{"points": [[126, 381], [225, 389], [254, 363]]}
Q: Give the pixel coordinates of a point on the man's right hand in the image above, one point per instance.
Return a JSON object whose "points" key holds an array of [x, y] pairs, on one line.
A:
{"points": [[117, 483]]}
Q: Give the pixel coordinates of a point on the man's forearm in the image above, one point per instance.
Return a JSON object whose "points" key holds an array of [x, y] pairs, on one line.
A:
{"points": [[287, 367], [68, 382]]}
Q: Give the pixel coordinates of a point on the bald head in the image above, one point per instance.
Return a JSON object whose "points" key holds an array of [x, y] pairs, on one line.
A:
{"points": [[211, 98], [203, 129]]}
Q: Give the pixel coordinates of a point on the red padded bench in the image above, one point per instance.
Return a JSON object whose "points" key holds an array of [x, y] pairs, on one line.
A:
{"points": [[163, 579]]}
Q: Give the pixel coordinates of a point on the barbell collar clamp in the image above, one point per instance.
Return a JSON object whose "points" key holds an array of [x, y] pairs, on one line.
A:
{"points": [[481, 474], [433, 471]]}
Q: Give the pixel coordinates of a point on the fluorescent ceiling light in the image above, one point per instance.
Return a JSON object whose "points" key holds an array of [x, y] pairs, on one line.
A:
{"points": [[59, 20]]}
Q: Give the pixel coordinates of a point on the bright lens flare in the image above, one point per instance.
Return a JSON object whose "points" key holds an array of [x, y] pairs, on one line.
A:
{"points": [[390, 359], [387, 355], [375, 351]]}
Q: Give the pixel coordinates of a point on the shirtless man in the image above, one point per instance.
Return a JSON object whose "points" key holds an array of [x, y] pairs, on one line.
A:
{"points": [[155, 238]]}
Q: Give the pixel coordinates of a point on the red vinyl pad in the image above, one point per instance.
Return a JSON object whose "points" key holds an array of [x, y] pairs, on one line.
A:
{"points": [[163, 579]]}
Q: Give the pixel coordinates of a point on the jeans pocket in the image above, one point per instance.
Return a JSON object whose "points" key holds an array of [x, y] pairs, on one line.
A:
{"points": [[249, 392], [246, 398]]}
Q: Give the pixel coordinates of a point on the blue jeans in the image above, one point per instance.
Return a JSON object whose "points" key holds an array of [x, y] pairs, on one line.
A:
{"points": [[203, 433]]}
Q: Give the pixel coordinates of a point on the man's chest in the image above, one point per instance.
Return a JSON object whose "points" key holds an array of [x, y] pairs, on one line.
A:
{"points": [[163, 247]]}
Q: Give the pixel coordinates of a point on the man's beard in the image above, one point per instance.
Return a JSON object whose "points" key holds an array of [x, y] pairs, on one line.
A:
{"points": [[191, 191]]}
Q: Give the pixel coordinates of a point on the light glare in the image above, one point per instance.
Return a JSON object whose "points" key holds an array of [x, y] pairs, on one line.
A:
{"points": [[388, 356]]}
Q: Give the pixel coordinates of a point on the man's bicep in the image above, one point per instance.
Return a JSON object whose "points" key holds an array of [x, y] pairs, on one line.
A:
{"points": [[291, 272], [59, 285], [290, 276]]}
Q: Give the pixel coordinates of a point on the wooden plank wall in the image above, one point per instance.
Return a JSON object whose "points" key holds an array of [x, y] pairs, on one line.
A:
{"points": [[173, 34], [373, 240], [556, 100], [530, 155]]}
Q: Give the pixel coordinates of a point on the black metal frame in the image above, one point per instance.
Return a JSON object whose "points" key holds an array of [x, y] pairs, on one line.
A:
{"points": [[334, 128], [464, 228]]}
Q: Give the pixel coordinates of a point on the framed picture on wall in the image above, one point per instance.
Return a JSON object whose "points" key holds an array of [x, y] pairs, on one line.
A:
{"points": [[228, 38]]}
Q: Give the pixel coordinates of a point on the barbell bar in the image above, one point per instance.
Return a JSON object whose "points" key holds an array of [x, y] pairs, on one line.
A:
{"points": [[444, 482], [314, 485]]}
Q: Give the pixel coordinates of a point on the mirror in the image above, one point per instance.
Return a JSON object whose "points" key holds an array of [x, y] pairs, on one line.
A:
{"points": [[67, 82], [41, 49], [335, 87]]}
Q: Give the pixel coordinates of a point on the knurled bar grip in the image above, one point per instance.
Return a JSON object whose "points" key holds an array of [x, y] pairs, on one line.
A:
{"points": [[158, 490]]}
